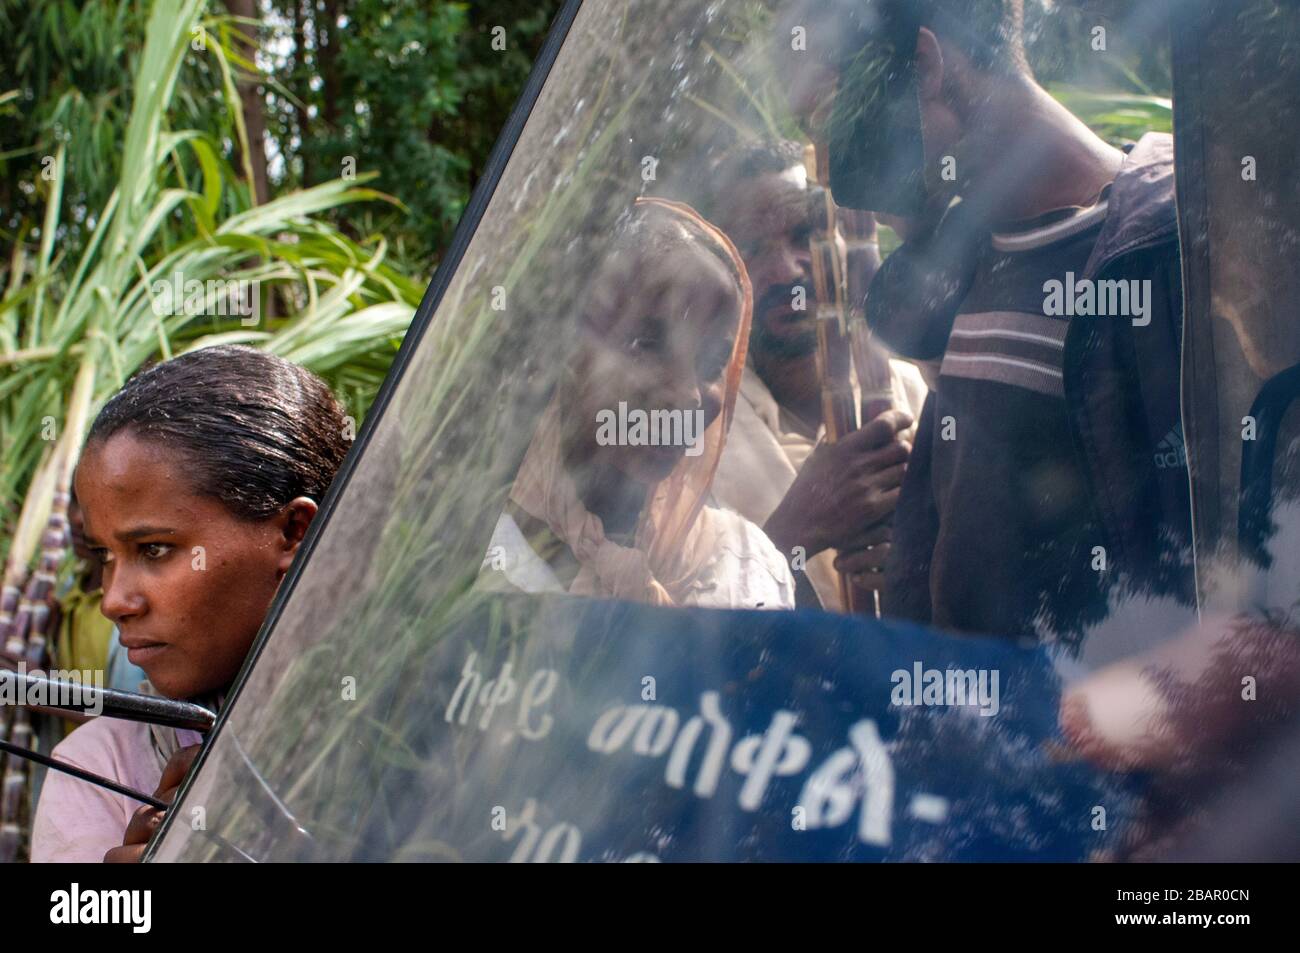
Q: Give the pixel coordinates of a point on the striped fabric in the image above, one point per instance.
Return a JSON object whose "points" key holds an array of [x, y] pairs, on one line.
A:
{"points": [[1008, 347]]}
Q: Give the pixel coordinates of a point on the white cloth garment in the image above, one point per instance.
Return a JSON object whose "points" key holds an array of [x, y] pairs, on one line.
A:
{"points": [[744, 572], [762, 458]]}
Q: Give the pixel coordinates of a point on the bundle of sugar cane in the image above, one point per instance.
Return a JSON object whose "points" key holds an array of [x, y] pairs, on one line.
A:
{"points": [[834, 362], [26, 631], [870, 360], [15, 621], [37, 614], [831, 285]]}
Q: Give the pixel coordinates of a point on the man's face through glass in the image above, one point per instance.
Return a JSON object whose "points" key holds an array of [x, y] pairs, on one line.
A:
{"points": [[768, 216], [877, 154], [860, 102]]}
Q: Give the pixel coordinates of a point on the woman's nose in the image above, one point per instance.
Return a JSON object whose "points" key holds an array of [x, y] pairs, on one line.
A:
{"points": [[685, 393], [122, 600]]}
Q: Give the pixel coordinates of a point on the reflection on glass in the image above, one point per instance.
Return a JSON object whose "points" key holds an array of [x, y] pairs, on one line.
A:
{"points": [[610, 499], [958, 400]]}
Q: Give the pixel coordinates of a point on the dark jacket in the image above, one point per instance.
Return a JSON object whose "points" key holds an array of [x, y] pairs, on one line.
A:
{"points": [[1120, 382]]}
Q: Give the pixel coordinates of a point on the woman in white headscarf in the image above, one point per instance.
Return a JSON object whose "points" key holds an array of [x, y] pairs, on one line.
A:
{"points": [[664, 327]]}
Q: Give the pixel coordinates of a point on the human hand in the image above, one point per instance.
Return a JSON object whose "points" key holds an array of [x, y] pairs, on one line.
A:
{"points": [[146, 820], [845, 490], [865, 567]]}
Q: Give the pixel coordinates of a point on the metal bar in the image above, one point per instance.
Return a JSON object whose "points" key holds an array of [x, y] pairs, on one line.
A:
{"points": [[108, 702], [83, 775]]}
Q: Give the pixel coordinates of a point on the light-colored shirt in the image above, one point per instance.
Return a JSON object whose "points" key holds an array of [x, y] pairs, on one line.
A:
{"points": [[78, 822], [763, 456], [745, 571]]}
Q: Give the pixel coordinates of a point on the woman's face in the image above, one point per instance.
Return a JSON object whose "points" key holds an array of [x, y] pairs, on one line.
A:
{"points": [[186, 582], [657, 335]]}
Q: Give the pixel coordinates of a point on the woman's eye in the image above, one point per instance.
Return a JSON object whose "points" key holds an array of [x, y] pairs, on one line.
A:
{"points": [[643, 345], [155, 550], [101, 556], [712, 365]]}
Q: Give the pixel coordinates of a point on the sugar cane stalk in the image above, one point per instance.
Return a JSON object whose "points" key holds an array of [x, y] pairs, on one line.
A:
{"points": [[844, 345], [28, 632]]}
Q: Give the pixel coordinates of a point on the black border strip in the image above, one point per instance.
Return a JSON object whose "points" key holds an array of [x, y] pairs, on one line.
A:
{"points": [[498, 159], [1192, 203]]}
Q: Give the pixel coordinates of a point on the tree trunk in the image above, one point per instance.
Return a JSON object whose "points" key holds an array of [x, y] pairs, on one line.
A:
{"points": [[302, 88], [250, 98], [327, 50]]}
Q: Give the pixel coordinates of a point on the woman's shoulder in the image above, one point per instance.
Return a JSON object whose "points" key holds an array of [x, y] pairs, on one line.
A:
{"points": [[111, 746], [511, 560], [78, 821]]}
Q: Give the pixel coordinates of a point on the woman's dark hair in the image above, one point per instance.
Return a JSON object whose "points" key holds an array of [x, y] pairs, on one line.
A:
{"points": [[256, 430]]}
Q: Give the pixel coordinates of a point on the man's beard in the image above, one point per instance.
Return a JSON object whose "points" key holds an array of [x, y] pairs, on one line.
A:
{"points": [[768, 343]]}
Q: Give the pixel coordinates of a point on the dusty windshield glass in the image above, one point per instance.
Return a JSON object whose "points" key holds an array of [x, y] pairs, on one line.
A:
{"points": [[772, 309]]}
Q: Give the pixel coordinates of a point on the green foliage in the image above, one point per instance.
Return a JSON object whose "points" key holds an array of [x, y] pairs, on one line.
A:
{"points": [[412, 90], [1059, 45], [66, 66], [176, 207], [130, 131], [1118, 117]]}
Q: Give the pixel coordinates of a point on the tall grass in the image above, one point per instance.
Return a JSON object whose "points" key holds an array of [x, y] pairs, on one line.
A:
{"points": [[75, 327], [178, 206]]}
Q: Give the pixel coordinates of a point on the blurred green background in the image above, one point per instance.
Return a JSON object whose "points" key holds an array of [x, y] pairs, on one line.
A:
{"points": [[324, 149]]}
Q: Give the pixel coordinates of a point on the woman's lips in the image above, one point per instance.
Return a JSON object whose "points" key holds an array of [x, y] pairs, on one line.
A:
{"points": [[141, 653]]}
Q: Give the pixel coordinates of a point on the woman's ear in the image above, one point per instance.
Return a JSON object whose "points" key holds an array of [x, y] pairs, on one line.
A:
{"points": [[294, 520], [929, 65]]}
